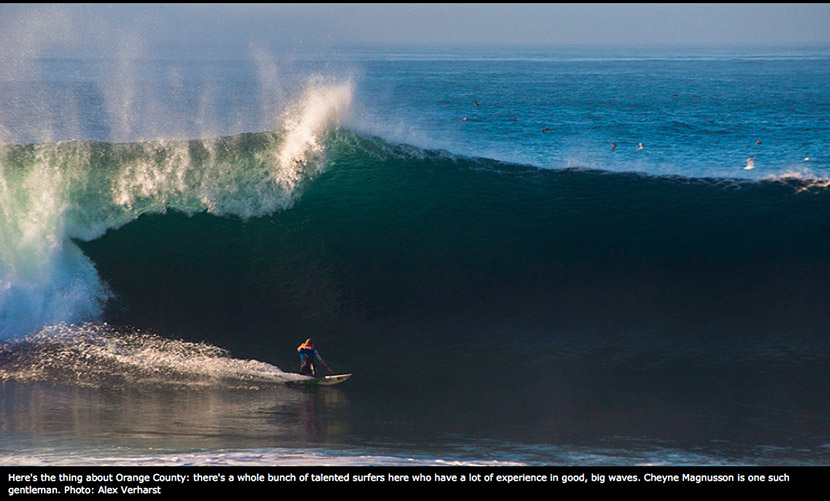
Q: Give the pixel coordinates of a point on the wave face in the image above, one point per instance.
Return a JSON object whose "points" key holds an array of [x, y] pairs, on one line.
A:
{"points": [[392, 230]]}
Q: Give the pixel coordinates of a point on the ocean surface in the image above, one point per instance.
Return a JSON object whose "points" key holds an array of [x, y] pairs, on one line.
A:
{"points": [[524, 255]]}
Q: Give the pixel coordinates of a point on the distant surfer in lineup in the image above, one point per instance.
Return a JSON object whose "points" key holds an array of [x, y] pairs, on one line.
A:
{"points": [[613, 146], [309, 356], [475, 103], [639, 146], [750, 163]]}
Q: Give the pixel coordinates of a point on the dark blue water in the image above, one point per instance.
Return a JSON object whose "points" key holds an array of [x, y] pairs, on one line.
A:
{"points": [[453, 225]]}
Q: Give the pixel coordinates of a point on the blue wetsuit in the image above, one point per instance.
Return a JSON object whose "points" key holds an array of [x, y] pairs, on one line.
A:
{"points": [[307, 358]]}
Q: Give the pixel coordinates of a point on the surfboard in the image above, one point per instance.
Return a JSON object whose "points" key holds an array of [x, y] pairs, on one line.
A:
{"points": [[325, 380]]}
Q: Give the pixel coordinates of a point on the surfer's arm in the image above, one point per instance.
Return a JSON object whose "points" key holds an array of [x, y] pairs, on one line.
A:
{"points": [[325, 365], [320, 359]]}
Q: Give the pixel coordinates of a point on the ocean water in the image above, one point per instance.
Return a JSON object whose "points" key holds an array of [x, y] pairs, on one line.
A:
{"points": [[525, 256]]}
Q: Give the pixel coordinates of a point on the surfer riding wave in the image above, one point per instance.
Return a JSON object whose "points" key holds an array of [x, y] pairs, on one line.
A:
{"points": [[309, 356]]}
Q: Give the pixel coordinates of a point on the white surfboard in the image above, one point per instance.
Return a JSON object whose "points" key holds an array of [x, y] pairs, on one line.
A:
{"points": [[325, 380]]}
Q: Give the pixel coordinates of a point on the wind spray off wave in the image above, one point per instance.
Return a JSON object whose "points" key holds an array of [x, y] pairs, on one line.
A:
{"points": [[52, 193]]}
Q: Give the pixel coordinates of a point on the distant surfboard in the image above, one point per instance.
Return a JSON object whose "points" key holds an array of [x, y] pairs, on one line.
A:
{"points": [[324, 381]]}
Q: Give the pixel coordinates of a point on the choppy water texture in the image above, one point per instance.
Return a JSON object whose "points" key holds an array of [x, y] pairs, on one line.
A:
{"points": [[475, 234]]}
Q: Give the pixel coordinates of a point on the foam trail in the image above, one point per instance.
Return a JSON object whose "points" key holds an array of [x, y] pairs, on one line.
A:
{"points": [[99, 355]]}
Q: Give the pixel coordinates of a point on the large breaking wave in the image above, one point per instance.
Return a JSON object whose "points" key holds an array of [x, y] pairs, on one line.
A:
{"points": [[52, 193]]}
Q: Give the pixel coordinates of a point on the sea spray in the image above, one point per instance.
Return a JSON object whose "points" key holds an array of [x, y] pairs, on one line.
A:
{"points": [[101, 355], [304, 125]]}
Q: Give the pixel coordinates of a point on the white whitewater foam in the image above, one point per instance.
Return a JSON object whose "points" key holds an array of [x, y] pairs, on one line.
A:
{"points": [[226, 457], [98, 355]]}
